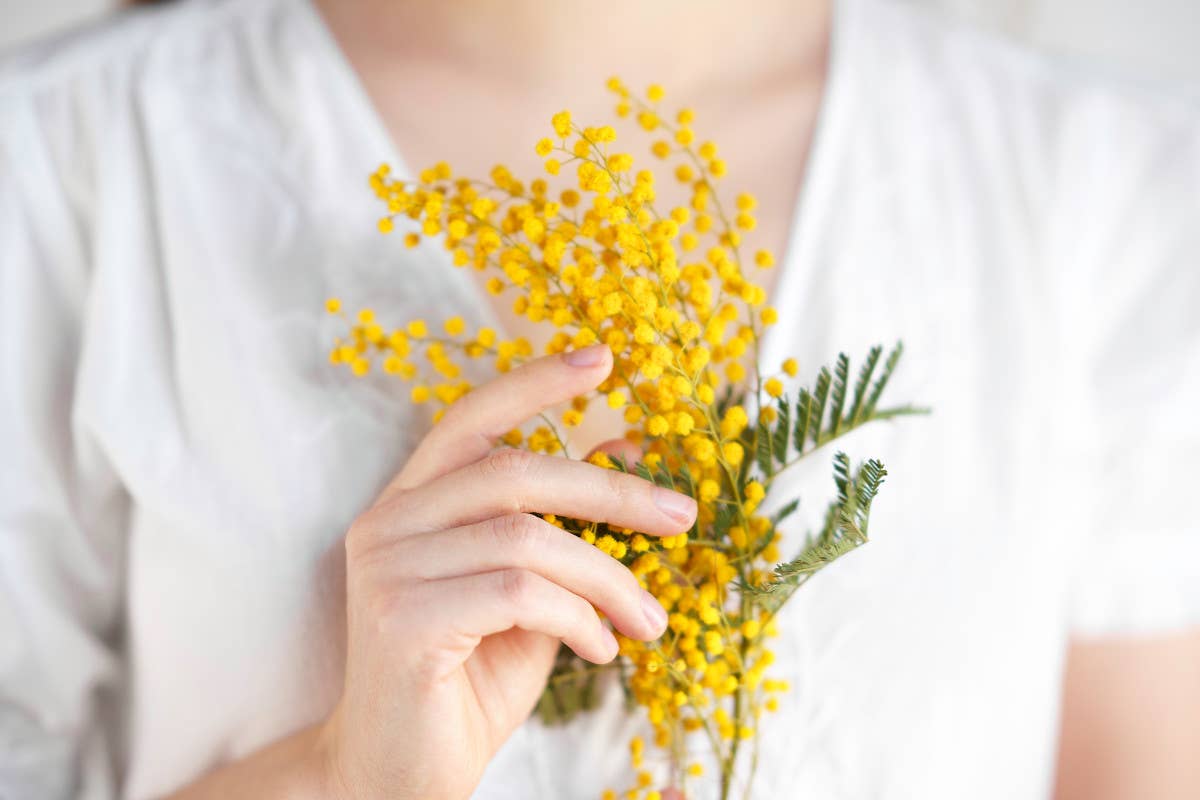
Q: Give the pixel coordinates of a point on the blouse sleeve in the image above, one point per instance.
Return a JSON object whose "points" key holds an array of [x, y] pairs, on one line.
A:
{"points": [[62, 510], [1138, 389]]}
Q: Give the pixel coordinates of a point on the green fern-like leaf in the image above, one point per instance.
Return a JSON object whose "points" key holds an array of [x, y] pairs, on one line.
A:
{"points": [[762, 447], [888, 368], [863, 383], [783, 430], [805, 410], [845, 529], [841, 379], [820, 400]]}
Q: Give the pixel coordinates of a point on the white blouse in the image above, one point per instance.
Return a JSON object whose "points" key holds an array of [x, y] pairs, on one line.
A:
{"points": [[180, 189]]}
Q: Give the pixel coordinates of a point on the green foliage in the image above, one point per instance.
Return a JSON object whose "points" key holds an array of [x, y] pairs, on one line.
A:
{"points": [[830, 409], [821, 415], [845, 529], [571, 688]]}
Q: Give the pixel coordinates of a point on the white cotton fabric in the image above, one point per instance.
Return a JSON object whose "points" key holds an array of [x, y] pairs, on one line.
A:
{"points": [[181, 189]]}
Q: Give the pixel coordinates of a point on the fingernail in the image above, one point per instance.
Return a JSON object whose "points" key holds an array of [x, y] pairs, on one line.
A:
{"points": [[656, 615], [589, 356], [610, 640], [675, 505]]}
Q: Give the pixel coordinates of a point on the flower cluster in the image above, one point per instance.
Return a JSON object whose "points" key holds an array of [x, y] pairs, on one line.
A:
{"points": [[669, 292]]}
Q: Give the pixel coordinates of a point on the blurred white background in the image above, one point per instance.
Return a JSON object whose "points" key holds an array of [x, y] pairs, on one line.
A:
{"points": [[1158, 39]]}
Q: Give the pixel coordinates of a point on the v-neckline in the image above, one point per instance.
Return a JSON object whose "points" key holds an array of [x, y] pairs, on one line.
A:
{"points": [[815, 184]]}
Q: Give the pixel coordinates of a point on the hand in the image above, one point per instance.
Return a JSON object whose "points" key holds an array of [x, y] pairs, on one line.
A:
{"points": [[458, 596]]}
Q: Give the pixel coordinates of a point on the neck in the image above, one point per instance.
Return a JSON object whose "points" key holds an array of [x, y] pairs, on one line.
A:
{"points": [[693, 46]]}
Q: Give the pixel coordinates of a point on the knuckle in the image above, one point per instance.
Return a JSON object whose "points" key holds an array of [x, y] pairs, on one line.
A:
{"points": [[385, 609], [399, 615], [516, 586], [620, 486], [520, 532], [510, 462], [583, 612], [360, 534]]}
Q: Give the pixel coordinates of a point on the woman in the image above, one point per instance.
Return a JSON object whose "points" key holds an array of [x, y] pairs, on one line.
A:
{"points": [[230, 572]]}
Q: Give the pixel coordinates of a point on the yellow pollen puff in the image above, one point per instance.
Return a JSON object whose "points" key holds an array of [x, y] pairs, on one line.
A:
{"points": [[684, 424], [655, 93], [420, 394], [754, 491], [562, 123], [571, 417], [333, 305], [790, 367], [657, 425], [620, 162], [386, 225], [544, 147], [746, 202], [417, 329], [737, 535], [612, 303], [553, 166], [412, 239], [773, 387], [600, 459], [616, 399], [454, 326], [769, 316], [751, 628], [764, 259]]}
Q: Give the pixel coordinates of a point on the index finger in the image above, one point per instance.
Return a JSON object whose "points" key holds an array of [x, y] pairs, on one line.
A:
{"points": [[473, 425]]}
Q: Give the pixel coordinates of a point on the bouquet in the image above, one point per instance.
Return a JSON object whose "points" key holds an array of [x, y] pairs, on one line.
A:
{"points": [[669, 292]]}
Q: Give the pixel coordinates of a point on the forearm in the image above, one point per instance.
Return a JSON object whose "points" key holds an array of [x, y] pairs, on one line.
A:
{"points": [[289, 769], [1131, 720]]}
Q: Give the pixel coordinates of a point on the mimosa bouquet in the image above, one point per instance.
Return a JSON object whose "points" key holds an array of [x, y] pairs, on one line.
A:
{"points": [[668, 291]]}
